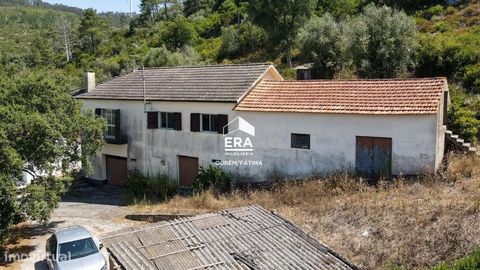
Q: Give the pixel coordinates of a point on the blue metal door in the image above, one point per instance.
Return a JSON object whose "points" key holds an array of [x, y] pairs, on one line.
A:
{"points": [[373, 157]]}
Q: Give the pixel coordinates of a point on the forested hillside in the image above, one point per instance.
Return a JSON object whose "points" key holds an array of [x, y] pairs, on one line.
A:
{"points": [[342, 38]]}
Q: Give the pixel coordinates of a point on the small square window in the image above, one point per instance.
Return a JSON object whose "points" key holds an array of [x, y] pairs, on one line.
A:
{"points": [[301, 141]]}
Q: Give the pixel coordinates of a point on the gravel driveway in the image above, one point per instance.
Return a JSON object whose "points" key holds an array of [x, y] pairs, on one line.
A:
{"points": [[100, 210]]}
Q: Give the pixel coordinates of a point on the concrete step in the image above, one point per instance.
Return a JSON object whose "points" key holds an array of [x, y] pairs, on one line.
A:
{"points": [[466, 145], [453, 136], [461, 141], [449, 133]]}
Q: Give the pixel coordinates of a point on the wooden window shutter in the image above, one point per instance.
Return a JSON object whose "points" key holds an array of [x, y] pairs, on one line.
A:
{"points": [[177, 121], [98, 111], [222, 121], [152, 120], [117, 124], [195, 122]]}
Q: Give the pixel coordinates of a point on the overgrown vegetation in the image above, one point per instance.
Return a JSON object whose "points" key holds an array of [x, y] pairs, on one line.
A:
{"points": [[148, 189], [470, 262], [413, 224], [213, 178]]}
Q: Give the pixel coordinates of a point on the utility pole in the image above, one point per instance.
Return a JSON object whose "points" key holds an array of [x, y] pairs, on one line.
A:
{"points": [[131, 9]]}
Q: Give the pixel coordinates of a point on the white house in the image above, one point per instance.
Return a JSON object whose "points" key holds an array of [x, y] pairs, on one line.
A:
{"points": [[248, 120]]}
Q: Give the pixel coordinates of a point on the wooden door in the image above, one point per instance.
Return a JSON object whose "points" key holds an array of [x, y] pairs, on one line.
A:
{"points": [[187, 170], [373, 157], [116, 170]]}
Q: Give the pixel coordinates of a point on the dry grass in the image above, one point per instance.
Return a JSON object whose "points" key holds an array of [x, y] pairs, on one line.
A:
{"points": [[414, 223]]}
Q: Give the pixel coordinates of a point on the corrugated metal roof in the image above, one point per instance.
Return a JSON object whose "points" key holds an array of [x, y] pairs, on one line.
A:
{"points": [[387, 96], [241, 238], [218, 83]]}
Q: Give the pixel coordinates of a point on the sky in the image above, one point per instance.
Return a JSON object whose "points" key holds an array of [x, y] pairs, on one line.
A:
{"points": [[100, 5]]}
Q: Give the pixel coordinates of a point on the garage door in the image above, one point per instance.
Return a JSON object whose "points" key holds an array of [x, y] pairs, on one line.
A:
{"points": [[116, 170], [188, 170], [373, 157]]}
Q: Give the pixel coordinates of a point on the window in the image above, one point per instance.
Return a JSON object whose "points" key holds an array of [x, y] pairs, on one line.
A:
{"points": [[77, 249], [209, 122], [301, 141], [166, 120], [112, 118], [109, 116]]}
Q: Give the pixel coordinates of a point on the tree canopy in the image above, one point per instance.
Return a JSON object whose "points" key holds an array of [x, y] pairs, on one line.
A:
{"points": [[42, 131], [383, 42]]}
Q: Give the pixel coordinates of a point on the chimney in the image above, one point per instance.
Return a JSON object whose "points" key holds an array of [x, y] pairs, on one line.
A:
{"points": [[303, 72], [89, 81]]}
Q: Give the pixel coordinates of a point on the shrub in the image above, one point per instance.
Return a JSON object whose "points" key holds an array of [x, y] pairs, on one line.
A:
{"points": [[471, 78], [433, 11], [42, 197], [451, 10], [463, 122], [161, 186], [212, 177], [469, 262], [158, 187], [136, 183]]}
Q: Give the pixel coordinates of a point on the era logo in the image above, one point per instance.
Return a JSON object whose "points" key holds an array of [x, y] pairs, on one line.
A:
{"points": [[238, 141]]}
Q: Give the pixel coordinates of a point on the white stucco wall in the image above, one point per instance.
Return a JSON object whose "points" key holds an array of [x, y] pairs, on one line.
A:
{"points": [[332, 142]]}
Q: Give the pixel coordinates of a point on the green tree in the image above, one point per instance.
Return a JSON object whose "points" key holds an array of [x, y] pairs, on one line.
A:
{"points": [[148, 11], [177, 33], [322, 42], [160, 57], [92, 28], [339, 8], [191, 7], [281, 19], [157, 10], [42, 130], [383, 42]]}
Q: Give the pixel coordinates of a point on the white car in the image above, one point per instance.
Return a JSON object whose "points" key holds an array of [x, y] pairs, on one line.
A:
{"points": [[74, 248]]}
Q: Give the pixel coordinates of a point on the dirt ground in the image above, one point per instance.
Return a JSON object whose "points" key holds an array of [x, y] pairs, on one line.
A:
{"points": [[100, 210]]}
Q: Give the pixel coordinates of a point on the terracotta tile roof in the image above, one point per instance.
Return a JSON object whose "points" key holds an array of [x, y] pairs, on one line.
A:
{"points": [[388, 96], [224, 83]]}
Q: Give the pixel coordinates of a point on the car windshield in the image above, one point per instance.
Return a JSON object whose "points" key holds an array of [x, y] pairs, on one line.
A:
{"points": [[77, 249]]}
